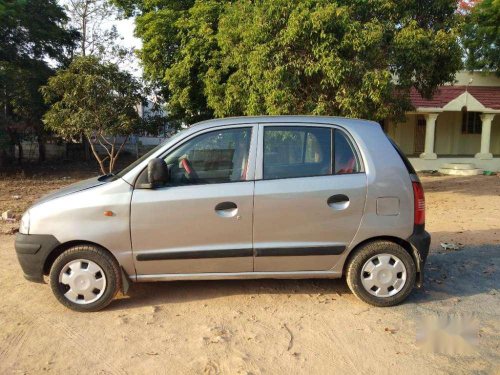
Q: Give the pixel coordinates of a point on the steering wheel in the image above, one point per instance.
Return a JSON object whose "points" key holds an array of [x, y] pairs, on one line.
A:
{"points": [[188, 167]]}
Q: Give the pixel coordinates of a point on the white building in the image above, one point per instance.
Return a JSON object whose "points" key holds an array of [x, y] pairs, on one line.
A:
{"points": [[460, 124]]}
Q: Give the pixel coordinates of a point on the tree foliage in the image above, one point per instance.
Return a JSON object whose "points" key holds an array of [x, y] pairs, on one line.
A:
{"points": [[31, 33], [95, 99], [323, 57], [33, 29], [481, 36]]}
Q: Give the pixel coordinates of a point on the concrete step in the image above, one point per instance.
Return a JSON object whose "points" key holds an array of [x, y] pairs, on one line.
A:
{"points": [[458, 166], [460, 169]]}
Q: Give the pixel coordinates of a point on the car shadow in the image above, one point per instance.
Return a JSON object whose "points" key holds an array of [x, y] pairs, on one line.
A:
{"points": [[467, 272], [470, 271], [461, 185], [173, 292]]}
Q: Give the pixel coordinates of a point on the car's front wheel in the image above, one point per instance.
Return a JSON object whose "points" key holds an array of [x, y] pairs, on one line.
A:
{"points": [[381, 273], [85, 278]]}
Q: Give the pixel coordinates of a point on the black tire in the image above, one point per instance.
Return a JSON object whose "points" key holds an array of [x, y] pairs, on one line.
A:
{"points": [[103, 259], [362, 255]]}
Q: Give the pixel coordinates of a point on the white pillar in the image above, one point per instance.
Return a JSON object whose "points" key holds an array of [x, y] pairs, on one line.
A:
{"points": [[486, 119], [430, 130]]}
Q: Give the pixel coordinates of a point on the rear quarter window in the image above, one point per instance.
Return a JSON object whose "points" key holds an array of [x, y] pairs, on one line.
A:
{"points": [[345, 160]]}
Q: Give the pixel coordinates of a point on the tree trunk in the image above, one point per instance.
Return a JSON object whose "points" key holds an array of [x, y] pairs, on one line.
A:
{"points": [[96, 155], [21, 151], [114, 156], [3, 158], [41, 146], [84, 29], [41, 150], [86, 148]]}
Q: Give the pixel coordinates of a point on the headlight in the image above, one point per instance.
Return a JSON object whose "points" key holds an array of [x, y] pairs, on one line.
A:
{"points": [[24, 228]]}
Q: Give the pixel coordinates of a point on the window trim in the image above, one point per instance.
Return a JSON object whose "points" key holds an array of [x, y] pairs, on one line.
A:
{"points": [[251, 155], [259, 160]]}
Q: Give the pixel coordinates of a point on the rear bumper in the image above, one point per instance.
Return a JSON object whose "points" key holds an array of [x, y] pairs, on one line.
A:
{"points": [[420, 242], [32, 252]]}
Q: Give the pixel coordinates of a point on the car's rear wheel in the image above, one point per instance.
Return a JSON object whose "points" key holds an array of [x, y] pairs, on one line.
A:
{"points": [[85, 278], [381, 273]]}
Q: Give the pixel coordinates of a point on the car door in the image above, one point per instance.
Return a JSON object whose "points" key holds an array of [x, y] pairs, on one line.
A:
{"points": [[201, 221], [310, 194]]}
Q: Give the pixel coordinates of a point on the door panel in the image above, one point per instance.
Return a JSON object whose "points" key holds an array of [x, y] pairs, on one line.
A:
{"points": [[183, 230], [302, 224], [202, 221]]}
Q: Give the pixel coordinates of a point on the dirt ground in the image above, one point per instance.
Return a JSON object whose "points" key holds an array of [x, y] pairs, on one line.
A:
{"points": [[263, 326]]}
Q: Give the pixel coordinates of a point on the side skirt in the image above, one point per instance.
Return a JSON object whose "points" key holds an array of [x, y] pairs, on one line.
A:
{"points": [[241, 276]]}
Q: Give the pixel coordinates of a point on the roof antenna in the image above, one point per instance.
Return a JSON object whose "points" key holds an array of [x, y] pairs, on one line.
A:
{"points": [[468, 84]]}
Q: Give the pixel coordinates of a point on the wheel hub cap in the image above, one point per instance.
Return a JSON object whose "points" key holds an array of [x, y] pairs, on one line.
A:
{"points": [[383, 275], [83, 281]]}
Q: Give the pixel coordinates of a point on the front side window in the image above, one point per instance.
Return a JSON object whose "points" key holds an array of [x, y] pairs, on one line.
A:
{"points": [[295, 151], [215, 157]]}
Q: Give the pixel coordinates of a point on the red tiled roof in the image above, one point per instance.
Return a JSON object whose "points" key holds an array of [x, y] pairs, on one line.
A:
{"points": [[489, 96]]}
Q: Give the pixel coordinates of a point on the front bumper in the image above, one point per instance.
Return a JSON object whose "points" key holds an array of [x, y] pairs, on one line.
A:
{"points": [[420, 242], [32, 252]]}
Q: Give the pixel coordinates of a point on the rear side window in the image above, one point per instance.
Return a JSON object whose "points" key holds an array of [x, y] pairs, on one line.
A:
{"points": [[295, 151], [345, 161]]}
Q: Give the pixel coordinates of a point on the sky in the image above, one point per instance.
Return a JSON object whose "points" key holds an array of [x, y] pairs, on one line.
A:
{"points": [[126, 28]]}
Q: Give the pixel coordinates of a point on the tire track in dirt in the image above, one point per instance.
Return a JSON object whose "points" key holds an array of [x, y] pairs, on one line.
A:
{"points": [[331, 336], [74, 342], [80, 346], [14, 342]]}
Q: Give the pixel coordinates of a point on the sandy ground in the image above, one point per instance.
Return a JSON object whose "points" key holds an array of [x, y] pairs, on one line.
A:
{"points": [[265, 326]]}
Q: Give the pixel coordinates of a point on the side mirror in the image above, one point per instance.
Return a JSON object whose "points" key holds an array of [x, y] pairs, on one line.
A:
{"points": [[158, 174]]}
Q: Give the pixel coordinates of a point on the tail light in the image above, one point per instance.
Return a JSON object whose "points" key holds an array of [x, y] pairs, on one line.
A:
{"points": [[419, 203]]}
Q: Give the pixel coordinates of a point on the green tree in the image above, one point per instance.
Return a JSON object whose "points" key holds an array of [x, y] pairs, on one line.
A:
{"points": [[346, 57], [23, 102], [33, 29], [481, 36], [95, 99], [31, 33], [98, 37]]}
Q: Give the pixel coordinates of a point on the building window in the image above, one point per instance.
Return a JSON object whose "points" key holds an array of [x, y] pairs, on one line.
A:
{"points": [[471, 122], [419, 144]]}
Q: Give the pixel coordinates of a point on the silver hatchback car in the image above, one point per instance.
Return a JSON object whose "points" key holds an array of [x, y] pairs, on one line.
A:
{"points": [[238, 198]]}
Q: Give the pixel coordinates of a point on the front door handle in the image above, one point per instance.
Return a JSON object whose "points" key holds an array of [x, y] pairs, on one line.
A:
{"points": [[226, 209], [338, 201]]}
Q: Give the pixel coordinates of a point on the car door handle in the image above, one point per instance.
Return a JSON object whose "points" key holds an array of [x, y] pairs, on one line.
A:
{"points": [[338, 201], [226, 209]]}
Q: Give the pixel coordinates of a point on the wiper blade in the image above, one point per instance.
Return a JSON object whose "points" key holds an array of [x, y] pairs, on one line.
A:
{"points": [[104, 177]]}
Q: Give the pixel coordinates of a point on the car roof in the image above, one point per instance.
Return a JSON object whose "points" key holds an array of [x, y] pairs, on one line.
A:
{"points": [[303, 120]]}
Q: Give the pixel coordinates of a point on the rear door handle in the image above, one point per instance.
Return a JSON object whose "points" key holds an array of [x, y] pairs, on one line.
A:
{"points": [[226, 209], [338, 201]]}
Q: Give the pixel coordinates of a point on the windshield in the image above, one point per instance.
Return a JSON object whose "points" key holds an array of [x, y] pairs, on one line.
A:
{"points": [[127, 169]]}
